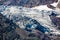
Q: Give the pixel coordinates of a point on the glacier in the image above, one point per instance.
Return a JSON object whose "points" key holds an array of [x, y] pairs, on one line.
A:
{"points": [[23, 16]]}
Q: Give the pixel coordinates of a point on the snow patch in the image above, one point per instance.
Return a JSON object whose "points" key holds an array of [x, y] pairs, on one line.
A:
{"points": [[41, 16]]}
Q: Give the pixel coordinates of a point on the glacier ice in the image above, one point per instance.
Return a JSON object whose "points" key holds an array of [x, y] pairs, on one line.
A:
{"points": [[18, 14]]}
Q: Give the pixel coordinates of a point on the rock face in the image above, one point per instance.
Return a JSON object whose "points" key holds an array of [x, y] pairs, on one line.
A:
{"points": [[27, 3], [10, 31], [7, 29], [55, 20], [50, 6]]}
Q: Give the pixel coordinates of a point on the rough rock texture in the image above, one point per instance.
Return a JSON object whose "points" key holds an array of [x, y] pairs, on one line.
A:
{"points": [[10, 31], [27, 3], [55, 20], [7, 29], [50, 6]]}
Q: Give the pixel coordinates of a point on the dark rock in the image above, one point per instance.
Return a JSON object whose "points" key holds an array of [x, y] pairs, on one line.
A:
{"points": [[55, 20], [27, 3], [9, 30]]}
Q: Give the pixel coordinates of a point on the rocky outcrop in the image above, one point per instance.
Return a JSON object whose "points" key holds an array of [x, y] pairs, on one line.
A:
{"points": [[55, 20], [7, 29], [27, 3], [10, 31]]}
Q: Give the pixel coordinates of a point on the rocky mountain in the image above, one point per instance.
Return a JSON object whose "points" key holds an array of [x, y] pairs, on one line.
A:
{"points": [[10, 30], [55, 20], [20, 23], [27, 3], [26, 18]]}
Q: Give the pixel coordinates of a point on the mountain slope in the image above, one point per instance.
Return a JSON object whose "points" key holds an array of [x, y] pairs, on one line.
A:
{"points": [[27, 3], [28, 19], [10, 31], [17, 14]]}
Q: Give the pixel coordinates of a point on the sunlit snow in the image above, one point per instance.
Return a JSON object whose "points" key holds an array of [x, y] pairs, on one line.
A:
{"points": [[36, 14]]}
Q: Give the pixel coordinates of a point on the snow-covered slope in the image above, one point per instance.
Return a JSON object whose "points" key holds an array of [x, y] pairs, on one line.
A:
{"points": [[44, 7], [16, 14]]}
